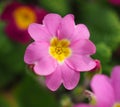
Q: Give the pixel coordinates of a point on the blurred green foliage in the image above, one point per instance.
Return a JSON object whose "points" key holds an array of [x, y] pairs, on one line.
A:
{"points": [[57, 6], [30, 94]]}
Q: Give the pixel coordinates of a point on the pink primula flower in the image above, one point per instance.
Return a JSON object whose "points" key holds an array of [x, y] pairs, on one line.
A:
{"points": [[60, 50], [115, 2], [18, 16], [106, 90]]}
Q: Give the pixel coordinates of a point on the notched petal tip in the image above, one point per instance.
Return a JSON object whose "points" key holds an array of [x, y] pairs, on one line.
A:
{"points": [[32, 26], [69, 16], [51, 22], [93, 48], [81, 31], [54, 80], [70, 77], [51, 15], [38, 32]]}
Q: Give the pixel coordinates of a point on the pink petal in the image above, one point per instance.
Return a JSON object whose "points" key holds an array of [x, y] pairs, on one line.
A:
{"points": [[81, 32], [81, 63], [45, 65], [83, 46], [115, 78], [52, 21], [70, 77], [103, 90], [35, 51], [38, 32], [83, 105], [54, 80], [67, 27]]}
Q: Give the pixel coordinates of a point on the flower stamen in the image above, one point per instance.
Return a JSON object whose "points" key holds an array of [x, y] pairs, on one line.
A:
{"points": [[59, 49], [116, 105]]}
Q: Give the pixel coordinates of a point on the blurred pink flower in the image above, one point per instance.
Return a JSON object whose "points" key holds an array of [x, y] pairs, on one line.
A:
{"points": [[18, 18], [60, 50], [106, 90], [115, 2]]}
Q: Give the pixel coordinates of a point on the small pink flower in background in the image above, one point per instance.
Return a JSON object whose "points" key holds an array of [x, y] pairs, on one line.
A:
{"points": [[18, 18], [106, 90], [115, 2], [60, 51], [98, 67]]}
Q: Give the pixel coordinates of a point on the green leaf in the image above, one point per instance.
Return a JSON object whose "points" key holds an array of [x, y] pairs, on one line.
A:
{"points": [[11, 59], [29, 93], [103, 53], [5, 44], [11, 65], [3, 102], [103, 23]]}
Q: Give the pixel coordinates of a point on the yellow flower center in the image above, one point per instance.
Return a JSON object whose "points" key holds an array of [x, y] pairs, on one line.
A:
{"points": [[116, 105], [24, 16], [59, 49]]}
